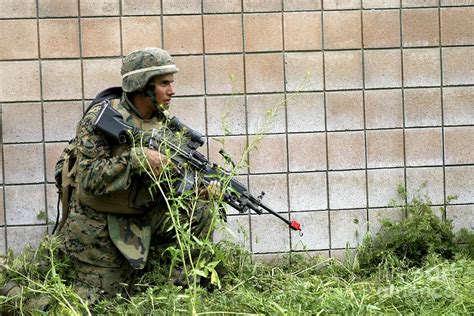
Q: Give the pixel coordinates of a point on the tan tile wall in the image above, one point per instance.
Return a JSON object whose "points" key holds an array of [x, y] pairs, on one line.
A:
{"points": [[372, 94]]}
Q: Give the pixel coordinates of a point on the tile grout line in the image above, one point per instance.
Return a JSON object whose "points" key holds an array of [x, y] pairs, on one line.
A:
{"points": [[443, 130], [402, 88], [244, 54], [203, 38], [43, 141], [162, 26], [285, 93], [326, 137], [366, 149], [2, 196], [270, 93], [120, 27], [81, 49], [249, 12]]}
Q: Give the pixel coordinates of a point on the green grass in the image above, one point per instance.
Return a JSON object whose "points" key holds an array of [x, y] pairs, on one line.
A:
{"points": [[316, 286], [300, 285]]}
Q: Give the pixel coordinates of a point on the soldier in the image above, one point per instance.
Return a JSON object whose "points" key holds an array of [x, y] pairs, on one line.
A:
{"points": [[113, 220]]}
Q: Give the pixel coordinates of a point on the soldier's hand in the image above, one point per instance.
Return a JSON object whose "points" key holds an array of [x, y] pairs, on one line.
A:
{"points": [[157, 161]]}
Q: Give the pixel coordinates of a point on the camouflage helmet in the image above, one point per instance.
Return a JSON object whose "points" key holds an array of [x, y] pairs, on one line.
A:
{"points": [[141, 65]]}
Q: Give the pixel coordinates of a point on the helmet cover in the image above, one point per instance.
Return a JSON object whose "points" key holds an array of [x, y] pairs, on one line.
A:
{"points": [[141, 65]]}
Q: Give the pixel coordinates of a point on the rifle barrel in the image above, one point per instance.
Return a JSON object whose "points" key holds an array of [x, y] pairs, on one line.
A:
{"points": [[295, 225]]}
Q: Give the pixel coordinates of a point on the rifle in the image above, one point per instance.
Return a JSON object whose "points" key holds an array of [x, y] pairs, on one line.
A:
{"points": [[110, 123]]}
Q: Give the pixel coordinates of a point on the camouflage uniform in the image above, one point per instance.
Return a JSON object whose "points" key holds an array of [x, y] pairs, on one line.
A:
{"points": [[108, 246]]}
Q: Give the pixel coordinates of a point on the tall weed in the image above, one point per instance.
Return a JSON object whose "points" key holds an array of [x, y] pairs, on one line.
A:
{"points": [[409, 243]]}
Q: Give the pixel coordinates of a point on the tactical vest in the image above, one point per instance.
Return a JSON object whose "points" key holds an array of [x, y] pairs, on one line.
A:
{"points": [[136, 199]]}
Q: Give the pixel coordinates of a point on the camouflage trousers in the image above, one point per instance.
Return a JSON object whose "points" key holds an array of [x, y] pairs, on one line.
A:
{"points": [[102, 270]]}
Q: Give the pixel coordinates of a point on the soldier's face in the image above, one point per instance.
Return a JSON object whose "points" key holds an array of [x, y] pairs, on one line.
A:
{"points": [[164, 89]]}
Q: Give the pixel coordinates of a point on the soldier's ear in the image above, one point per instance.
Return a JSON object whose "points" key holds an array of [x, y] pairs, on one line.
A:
{"points": [[149, 90], [140, 92]]}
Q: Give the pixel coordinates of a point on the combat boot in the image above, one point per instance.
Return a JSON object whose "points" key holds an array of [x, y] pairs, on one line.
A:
{"points": [[10, 289]]}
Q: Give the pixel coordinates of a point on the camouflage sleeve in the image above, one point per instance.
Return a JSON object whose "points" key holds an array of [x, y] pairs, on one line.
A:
{"points": [[98, 171]]}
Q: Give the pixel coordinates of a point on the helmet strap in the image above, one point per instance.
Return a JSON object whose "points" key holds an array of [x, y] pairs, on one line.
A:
{"points": [[150, 92]]}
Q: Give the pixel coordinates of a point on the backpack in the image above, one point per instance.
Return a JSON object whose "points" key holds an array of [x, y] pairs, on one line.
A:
{"points": [[66, 166]]}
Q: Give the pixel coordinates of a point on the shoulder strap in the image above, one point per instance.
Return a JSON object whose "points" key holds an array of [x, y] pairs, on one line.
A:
{"points": [[65, 172], [68, 173], [107, 94]]}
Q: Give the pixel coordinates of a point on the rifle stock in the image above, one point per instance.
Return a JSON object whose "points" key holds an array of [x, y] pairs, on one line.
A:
{"points": [[110, 123]]}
